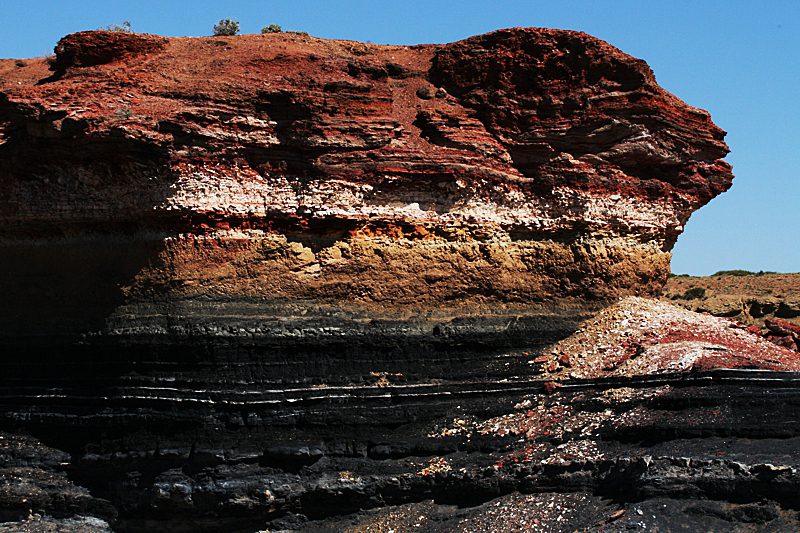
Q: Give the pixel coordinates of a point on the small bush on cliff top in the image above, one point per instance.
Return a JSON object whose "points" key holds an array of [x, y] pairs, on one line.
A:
{"points": [[272, 28], [125, 27], [123, 113], [226, 27]]}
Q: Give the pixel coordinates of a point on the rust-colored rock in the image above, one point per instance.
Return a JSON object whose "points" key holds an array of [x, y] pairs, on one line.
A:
{"points": [[88, 48], [783, 333], [640, 337], [515, 168], [311, 278]]}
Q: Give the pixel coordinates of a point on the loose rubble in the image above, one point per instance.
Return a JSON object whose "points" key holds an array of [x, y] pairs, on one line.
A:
{"points": [[639, 336]]}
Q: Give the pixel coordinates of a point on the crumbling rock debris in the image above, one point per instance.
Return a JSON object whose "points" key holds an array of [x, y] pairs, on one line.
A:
{"points": [[783, 333], [34, 486], [638, 336]]}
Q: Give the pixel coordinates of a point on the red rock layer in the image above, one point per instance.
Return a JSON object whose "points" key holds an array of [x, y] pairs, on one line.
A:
{"points": [[519, 166]]}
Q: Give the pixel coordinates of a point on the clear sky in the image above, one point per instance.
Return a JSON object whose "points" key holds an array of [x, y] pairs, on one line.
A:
{"points": [[738, 59]]}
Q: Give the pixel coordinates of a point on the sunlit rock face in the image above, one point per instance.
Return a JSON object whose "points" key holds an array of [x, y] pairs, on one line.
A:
{"points": [[315, 211], [517, 167]]}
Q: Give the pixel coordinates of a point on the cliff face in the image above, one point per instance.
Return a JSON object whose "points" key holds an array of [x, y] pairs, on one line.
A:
{"points": [[521, 166], [253, 280]]}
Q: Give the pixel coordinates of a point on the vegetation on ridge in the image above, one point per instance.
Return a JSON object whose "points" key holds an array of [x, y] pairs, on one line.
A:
{"points": [[736, 272], [125, 27], [742, 273], [694, 293], [226, 27]]}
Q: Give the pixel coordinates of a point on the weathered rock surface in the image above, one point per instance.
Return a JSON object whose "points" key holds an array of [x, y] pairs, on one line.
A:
{"points": [[33, 483], [638, 337], [704, 435], [546, 166], [255, 281], [715, 451]]}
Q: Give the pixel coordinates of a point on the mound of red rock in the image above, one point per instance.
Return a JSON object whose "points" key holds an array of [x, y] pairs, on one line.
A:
{"points": [[643, 337], [783, 333], [86, 49]]}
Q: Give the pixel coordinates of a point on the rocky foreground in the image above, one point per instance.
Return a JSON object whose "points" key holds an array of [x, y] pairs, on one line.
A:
{"points": [[650, 417], [274, 282]]}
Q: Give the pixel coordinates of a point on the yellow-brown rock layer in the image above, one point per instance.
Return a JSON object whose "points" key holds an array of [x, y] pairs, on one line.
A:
{"points": [[416, 273]]}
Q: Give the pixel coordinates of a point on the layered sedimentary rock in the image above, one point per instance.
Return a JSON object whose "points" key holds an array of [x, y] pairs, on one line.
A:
{"points": [[517, 167], [705, 439], [248, 278]]}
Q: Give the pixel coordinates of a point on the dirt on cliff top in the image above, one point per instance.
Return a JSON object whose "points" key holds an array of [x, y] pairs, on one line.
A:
{"points": [[750, 298], [145, 69], [17, 73]]}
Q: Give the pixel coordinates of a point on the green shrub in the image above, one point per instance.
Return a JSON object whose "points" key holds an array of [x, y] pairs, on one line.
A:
{"points": [[272, 28], [226, 27], [678, 275], [125, 27], [295, 32], [694, 293], [734, 273]]}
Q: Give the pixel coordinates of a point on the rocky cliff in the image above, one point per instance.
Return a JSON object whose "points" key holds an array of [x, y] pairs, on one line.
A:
{"points": [[254, 279], [521, 166]]}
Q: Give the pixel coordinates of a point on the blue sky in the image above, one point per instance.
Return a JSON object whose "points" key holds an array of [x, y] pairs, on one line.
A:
{"points": [[740, 60]]}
